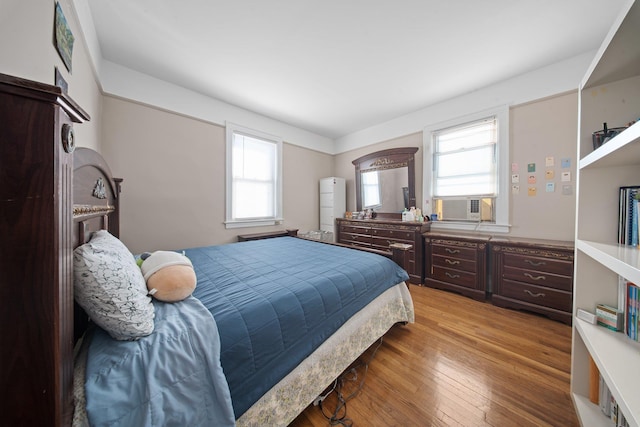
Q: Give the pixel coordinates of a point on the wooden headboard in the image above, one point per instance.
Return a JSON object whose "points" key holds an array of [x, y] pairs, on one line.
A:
{"points": [[47, 208], [96, 206]]}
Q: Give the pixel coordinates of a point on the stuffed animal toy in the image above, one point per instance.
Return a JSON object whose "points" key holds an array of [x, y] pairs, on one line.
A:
{"points": [[169, 275]]}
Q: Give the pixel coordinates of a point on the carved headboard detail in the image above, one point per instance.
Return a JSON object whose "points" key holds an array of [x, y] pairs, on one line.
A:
{"points": [[95, 196]]}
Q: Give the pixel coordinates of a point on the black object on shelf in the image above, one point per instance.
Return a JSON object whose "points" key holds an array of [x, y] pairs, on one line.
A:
{"points": [[602, 136]]}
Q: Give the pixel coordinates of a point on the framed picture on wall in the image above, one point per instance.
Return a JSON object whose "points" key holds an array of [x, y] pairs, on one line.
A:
{"points": [[60, 81], [63, 38]]}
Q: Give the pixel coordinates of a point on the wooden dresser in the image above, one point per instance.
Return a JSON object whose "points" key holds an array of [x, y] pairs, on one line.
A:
{"points": [[457, 262], [534, 275], [380, 233]]}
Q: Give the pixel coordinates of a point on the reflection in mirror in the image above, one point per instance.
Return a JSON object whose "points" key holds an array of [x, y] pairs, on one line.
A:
{"points": [[385, 181], [385, 190]]}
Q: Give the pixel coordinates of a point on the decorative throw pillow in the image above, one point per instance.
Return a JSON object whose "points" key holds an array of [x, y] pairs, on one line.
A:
{"points": [[110, 287]]}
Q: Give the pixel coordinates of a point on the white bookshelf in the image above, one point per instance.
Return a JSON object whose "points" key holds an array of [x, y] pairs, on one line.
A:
{"points": [[610, 92]]}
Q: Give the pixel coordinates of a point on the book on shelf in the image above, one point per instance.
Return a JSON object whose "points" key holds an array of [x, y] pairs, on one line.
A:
{"points": [[609, 406], [622, 293], [610, 317], [631, 311], [634, 222], [629, 304], [629, 215], [604, 399]]}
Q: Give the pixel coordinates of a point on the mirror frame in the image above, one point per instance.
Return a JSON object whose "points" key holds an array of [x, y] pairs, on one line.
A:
{"points": [[387, 159]]}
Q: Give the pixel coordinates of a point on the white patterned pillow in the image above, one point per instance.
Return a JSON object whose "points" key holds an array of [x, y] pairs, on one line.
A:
{"points": [[110, 287]]}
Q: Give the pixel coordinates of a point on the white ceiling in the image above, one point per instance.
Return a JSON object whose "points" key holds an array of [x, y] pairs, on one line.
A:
{"points": [[334, 67]]}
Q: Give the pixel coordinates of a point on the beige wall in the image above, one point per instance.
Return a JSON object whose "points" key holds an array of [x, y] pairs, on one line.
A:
{"points": [[174, 169], [546, 128], [26, 43], [541, 129]]}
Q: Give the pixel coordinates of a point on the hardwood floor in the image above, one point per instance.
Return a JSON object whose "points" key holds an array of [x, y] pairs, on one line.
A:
{"points": [[462, 363]]}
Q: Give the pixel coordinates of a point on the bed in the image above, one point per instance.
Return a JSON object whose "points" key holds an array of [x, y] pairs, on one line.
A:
{"points": [[270, 325]]}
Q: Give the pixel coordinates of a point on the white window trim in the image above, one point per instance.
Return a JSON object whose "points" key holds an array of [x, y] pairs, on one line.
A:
{"points": [[232, 128], [502, 200]]}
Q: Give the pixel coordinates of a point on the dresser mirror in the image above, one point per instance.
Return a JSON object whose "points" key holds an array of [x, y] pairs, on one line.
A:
{"points": [[386, 181]]}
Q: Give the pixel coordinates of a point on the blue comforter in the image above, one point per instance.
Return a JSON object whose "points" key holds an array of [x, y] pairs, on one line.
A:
{"points": [[273, 303], [276, 300]]}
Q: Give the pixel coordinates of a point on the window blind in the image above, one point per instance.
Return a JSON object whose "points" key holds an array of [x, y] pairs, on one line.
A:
{"points": [[465, 159], [254, 174]]}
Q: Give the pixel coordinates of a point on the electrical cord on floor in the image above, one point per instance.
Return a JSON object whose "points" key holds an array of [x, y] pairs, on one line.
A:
{"points": [[339, 414]]}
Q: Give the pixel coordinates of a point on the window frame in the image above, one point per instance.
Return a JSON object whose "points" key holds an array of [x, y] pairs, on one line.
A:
{"points": [[501, 206], [230, 221]]}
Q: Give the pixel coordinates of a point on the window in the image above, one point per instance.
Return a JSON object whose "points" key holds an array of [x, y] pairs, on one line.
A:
{"points": [[468, 160], [254, 178], [465, 159], [370, 190]]}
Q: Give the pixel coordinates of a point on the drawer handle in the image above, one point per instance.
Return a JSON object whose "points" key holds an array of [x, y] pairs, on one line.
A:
{"points": [[452, 251], [448, 261], [536, 277], [534, 295], [453, 276], [535, 264]]}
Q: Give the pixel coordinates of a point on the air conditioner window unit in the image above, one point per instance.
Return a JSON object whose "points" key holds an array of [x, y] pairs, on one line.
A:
{"points": [[464, 209]]}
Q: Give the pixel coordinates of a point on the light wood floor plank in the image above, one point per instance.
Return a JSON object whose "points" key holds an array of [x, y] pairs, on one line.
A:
{"points": [[463, 363]]}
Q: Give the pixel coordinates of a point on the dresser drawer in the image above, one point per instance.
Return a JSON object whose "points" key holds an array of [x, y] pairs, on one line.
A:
{"points": [[354, 229], [454, 263], [455, 251], [384, 242], [539, 264], [396, 235], [538, 278], [326, 200], [542, 296], [455, 277], [355, 239]]}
